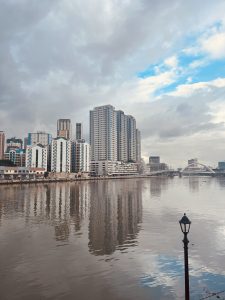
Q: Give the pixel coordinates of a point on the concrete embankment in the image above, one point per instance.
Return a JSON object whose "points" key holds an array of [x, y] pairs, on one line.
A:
{"points": [[47, 180]]}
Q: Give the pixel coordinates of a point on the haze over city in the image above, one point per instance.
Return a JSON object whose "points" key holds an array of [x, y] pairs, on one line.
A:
{"points": [[160, 61]]}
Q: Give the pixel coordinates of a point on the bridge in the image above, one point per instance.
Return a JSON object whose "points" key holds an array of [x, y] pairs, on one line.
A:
{"points": [[197, 168]]}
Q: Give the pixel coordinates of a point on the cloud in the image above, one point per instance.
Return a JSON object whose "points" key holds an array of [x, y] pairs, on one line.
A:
{"points": [[171, 62], [186, 90], [59, 58], [214, 46]]}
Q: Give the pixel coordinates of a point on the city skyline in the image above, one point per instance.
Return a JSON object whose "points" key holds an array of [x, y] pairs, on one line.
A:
{"points": [[169, 75], [40, 137]]}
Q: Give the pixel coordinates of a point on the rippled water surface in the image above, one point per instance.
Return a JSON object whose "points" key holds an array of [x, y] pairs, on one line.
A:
{"points": [[115, 239]]}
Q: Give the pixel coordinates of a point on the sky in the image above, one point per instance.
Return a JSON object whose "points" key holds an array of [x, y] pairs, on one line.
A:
{"points": [[161, 61]]}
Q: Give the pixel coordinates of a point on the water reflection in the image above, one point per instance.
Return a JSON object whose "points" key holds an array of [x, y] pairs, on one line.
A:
{"points": [[115, 210], [158, 184], [115, 215], [83, 240]]}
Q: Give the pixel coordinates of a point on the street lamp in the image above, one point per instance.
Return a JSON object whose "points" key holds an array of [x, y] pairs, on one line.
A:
{"points": [[185, 225]]}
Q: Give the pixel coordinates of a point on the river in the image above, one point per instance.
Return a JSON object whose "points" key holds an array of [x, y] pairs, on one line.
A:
{"points": [[111, 239]]}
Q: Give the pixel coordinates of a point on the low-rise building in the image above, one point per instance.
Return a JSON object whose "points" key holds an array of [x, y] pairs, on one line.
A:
{"points": [[112, 168], [21, 173]]}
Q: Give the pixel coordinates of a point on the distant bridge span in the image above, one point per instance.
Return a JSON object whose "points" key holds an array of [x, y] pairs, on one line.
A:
{"points": [[197, 168]]}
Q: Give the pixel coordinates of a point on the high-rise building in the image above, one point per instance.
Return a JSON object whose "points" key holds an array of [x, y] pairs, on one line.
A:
{"points": [[25, 142], [13, 143], [138, 146], [60, 155], [154, 160], [103, 133], [39, 137], [122, 136], [2, 144], [64, 128], [131, 139], [79, 131], [37, 156], [113, 135], [80, 156]]}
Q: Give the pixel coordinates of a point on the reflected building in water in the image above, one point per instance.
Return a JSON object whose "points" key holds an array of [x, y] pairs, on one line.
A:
{"points": [[193, 184], [111, 210], [115, 215], [157, 185], [63, 205]]}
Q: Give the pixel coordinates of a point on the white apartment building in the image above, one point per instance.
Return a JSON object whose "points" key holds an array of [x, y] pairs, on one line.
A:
{"points": [[80, 160], [39, 137], [131, 139], [60, 155], [138, 146], [122, 137], [2, 144], [103, 133], [37, 156]]}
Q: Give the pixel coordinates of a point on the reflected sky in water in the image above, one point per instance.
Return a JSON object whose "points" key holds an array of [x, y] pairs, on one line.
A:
{"points": [[114, 238]]}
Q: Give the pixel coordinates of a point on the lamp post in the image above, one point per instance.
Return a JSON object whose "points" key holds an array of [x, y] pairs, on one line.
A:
{"points": [[185, 225]]}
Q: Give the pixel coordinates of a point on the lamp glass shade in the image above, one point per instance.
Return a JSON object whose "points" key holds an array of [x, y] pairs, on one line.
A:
{"points": [[185, 224]]}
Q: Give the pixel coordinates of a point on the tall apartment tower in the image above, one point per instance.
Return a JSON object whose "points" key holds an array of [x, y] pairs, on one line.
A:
{"points": [[64, 128], [60, 155], [37, 156], [131, 139], [122, 138], [103, 133], [138, 146], [2, 144], [80, 160], [79, 131]]}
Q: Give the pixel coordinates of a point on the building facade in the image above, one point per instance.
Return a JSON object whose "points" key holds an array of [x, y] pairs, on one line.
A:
{"points": [[16, 156], [64, 128], [21, 173], [131, 140], [114, 136], [122, 136], [112, 168], [80, 156], [14, 143], [2, 144], [39, 137], [61, 155], [37, 156], [79, 131], [221, 165], [103, 133], [154, 160], [138, 146]]}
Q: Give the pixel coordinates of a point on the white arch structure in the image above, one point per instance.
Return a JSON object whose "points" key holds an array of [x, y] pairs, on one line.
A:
{"points": [[195, 168]]}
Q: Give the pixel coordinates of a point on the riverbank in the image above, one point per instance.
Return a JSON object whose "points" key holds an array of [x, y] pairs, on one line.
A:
{"points": [[48, 180]]}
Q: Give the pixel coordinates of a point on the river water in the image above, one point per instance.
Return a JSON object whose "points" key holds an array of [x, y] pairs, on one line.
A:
{"points": [[113, 239]]}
